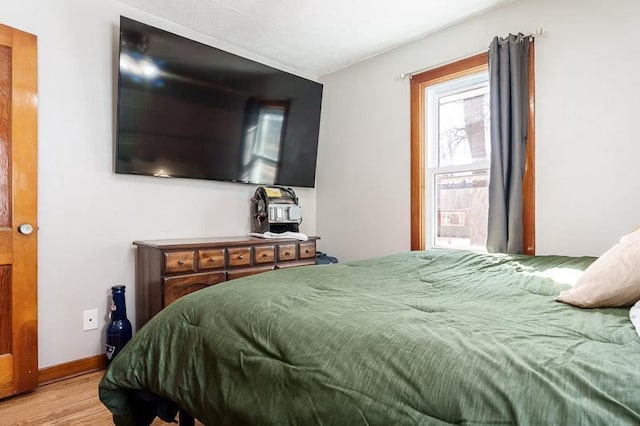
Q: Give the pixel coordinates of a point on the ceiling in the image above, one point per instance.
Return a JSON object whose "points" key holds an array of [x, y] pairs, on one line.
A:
{"points": [[316, 37]]}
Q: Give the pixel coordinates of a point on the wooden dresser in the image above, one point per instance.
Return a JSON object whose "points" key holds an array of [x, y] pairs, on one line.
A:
{"points": [[169, 269]]}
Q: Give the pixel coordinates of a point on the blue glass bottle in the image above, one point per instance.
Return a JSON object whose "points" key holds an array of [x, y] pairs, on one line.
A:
{"points": [[119, 331]]}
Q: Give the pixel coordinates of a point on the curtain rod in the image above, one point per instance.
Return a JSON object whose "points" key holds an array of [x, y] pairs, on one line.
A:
{"points": [[404, 75]]}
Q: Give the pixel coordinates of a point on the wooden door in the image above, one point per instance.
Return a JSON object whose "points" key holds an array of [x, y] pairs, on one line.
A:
{"points": [[18, 246]]}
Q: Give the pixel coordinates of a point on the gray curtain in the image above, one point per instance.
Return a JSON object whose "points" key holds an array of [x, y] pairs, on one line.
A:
{"points": [[508, 85]]}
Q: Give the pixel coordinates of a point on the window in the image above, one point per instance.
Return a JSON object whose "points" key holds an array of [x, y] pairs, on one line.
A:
{"points": [[450, 157], [457, 161]]}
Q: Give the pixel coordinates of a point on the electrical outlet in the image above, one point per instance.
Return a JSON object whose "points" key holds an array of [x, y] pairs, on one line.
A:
{"points": [[90, 319]]}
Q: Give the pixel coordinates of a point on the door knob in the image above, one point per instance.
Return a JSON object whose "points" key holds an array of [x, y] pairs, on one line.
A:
{"points": [[25, 229]]}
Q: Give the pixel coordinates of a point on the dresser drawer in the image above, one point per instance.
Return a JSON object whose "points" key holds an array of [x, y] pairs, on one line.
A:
{"points": [[176, 287], [179, 261], [245, 272], [239, 256], [210, 259], [297, 263], [264, 254], [307, 250], [286, 252]]}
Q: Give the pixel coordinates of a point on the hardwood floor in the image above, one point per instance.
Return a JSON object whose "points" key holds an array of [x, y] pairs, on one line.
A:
{"points": [[69, 402]]}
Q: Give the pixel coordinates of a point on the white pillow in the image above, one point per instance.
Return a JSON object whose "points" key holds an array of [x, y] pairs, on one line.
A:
{"points": [[634, 315], [612, 280]]}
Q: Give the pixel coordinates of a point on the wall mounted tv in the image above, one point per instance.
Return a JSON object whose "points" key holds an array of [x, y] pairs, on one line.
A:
{"points": [[189, 110]]}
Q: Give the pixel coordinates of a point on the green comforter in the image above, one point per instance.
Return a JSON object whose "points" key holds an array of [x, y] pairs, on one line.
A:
{"points": [[431, 338]]}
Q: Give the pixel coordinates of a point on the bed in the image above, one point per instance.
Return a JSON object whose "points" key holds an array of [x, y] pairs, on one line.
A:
{"points": [[432, 338]]}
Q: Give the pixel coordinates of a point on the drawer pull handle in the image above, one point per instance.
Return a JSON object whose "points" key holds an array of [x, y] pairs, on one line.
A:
{"points": [[240, 257], [180, 262], [212, 259], [265, 255], [307, 251], [286, 253]]}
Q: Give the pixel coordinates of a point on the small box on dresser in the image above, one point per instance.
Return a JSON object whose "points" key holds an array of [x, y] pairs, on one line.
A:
{"points": [[169, 269]]}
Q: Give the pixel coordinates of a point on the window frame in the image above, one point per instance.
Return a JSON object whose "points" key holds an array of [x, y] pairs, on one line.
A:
{"points": [[463, 67], [471, 81]]}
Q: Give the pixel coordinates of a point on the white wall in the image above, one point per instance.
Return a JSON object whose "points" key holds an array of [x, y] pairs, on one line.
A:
{"points": [[89, 216], [587, 145]]}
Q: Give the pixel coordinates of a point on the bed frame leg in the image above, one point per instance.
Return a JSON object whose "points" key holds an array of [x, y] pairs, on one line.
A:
{"points": [[185, 418]]}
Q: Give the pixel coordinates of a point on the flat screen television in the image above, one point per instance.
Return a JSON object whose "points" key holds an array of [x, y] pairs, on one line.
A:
{"points": [[189, 110]]}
